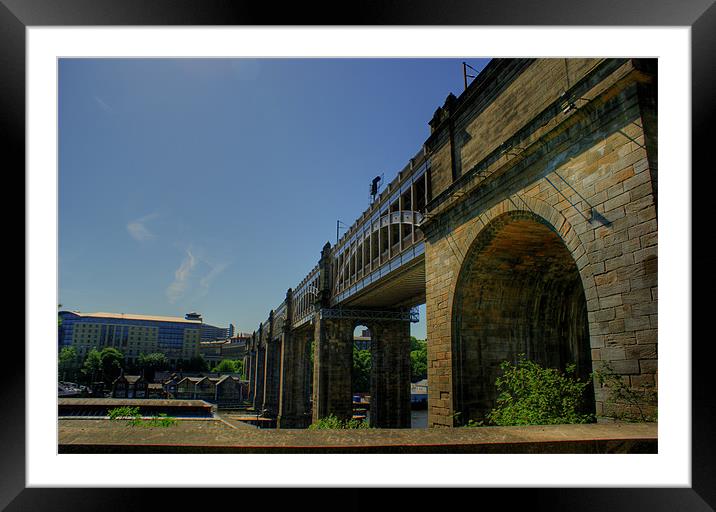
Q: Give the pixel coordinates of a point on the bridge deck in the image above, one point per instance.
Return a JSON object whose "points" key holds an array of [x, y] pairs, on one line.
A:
{"points": [[187, 436]]}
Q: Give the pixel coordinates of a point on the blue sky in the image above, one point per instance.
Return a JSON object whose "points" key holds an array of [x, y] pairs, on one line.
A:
{"points": [[211, 185]]}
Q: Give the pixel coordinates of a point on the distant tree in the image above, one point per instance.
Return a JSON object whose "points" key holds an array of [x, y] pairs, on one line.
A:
{"points": [[151, 363], [361, 370], [68, 363], [228, 366], [92, 365], [418, 359], [195, 364], [112, 361]]}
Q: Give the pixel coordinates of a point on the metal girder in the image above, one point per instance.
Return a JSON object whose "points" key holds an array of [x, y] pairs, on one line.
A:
{"points": [[367, 314]]}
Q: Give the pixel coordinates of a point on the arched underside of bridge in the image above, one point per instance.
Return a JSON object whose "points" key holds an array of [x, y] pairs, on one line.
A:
{"points": [[519, 292]]}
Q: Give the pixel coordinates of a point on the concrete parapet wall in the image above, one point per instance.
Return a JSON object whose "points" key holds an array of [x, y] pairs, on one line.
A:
{"points": [[94, 436]]}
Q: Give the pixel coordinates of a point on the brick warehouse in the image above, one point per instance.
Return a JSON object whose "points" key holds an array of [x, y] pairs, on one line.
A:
{"points": [[527, 224]]}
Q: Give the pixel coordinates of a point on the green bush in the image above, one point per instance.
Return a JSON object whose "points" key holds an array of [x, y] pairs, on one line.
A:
{"points": [[529, 394], [124, 413], [135, 419], [332, 422], [162, 420], [229, 366]]}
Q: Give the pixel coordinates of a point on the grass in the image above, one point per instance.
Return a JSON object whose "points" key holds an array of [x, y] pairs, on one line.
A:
{"points": [[136, 420]]}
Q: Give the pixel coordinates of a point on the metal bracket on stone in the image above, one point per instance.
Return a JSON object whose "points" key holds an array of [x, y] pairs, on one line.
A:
{"points": [[370, 314]]}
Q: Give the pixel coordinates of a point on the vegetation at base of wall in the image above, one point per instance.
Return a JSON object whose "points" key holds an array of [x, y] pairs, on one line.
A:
{"points": [[529, 394], [161, 420], [458, 421], [626, 403], [332, 422], [124, 413], [135, 418]]}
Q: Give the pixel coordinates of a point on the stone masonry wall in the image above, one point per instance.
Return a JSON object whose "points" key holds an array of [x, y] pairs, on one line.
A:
{"points": [[390, 374], [477, 133], [333, 361], [293, 396], [587, 174]]}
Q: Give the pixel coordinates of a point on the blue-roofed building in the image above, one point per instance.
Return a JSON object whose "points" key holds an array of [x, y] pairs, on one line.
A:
{"points": [[177, 338]]}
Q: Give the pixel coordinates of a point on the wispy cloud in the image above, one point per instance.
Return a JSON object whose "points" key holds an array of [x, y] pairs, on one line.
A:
{"points": [[102, 104], [205, 281], [178, 288], [194, 276], [138, 230]]}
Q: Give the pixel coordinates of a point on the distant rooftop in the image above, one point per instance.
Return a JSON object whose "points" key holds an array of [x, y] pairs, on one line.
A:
{"points": [[131, 316]]}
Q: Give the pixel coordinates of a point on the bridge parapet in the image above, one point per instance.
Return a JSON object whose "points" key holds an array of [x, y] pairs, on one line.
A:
{"points": [[382, 239], [279, 317], [386, 236], [525, 144], [305, 296], [265, 330]]}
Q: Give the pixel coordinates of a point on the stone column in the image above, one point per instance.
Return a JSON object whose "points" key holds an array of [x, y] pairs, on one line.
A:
{"points": [[292, 400], [249, 368], [332, 366], [271, 377], [333, 353], [246, 364], [390, 375], [271, 371], [258, 391]]}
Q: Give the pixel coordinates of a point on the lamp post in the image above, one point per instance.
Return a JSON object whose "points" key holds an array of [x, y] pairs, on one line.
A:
{"points": [[340, 224]]}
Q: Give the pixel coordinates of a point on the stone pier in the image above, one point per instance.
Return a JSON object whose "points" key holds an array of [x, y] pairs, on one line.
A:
{"points": [[332, 365], [390, 375]]}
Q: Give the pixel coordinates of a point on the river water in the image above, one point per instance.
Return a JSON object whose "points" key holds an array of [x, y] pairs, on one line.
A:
{"points": [[419, 419]]}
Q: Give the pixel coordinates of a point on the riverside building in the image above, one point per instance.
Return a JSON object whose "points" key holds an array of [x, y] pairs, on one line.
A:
{"points": [[177, 338]]}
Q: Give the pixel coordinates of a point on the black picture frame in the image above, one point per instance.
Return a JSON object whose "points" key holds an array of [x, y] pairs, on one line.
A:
{"points": [[700, 15]]}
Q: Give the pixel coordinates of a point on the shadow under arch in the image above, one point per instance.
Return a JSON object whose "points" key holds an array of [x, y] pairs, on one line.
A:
{"points": [[519, 291]]}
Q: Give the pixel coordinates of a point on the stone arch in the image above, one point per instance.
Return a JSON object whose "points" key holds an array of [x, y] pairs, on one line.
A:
{"points": [[560, 224], [520, 289], [359, 382]]}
